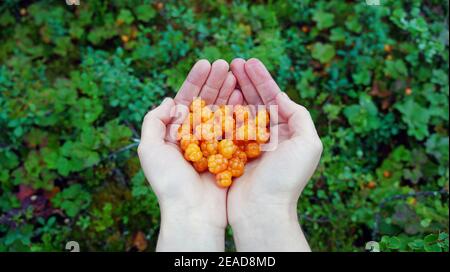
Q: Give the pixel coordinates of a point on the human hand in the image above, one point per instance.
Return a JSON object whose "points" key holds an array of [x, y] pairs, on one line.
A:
{"points": [[193, 208], [262, 204]]}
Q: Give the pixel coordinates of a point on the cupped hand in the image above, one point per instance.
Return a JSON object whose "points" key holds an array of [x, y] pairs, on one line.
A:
{"points": [[193, 207], [264, 199]]}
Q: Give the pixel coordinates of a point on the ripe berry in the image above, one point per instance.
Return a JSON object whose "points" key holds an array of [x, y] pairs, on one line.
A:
{"points": [[246, 132], [205, 131], [209, 147], [236, 167], [262, 118], [217, 163], [197, 105], [262, 135], [207, 114], [201, 165], [223, 179], [408, 91], [193, 153], [252, 150], [241, 113], [186, 140], [227, 148], [239, 154]]}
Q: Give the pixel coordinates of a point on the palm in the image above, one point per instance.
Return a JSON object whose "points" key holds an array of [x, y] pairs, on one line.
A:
{"points": [[278, 176], [185, 184], [173, 179]]}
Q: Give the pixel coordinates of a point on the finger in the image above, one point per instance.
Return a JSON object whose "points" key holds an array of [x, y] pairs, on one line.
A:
{"points": [[216, 78], [298, 117], [266, 87], [226, 90], [236, 98], [194, 82], [155, 122], [248, 90]]}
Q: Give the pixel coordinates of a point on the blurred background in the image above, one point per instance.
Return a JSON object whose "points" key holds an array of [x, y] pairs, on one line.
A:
{"points": [[76, 81]]}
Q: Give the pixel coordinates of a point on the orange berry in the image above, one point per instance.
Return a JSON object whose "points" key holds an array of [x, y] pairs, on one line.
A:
{"points": [[387, 174], [209, 147], [159, 6], [189, 120], [371, 184], [225, 124], [186, 140], [240, 144], [125, 38], [262, 118], [240, 154], [305, 29], [197, 105], [236, 167], [252, 150], [201, 165], [262, 135], [246, 132], [224, 179], [207, 114], [205, 131], [388, 48], [183, 131], [408, 91], [241, 113], [227, 148], [193, 153], [217, 163]]}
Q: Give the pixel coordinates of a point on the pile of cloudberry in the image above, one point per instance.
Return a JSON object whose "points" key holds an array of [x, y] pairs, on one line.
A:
{"points": [[221, 139]]}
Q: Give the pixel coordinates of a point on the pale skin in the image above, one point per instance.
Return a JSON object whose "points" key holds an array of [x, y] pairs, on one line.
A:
{"points": [[261, 205]]}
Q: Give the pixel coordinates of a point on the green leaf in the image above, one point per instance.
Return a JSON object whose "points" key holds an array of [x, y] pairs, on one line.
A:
{"points": [[416, 117], [126, 16], [72, 200], [323, 52], [323, 19], [145, 13]]}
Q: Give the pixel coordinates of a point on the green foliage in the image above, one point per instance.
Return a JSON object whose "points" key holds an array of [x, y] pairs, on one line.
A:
{"points": [[76, 81], [72, 200]]}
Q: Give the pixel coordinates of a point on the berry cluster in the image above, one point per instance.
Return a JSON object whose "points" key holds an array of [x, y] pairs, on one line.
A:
{"points": [[223, 139]]}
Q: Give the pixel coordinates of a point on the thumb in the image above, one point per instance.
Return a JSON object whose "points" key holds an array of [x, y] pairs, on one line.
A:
{"points": [[155, 122], [298, 118]]}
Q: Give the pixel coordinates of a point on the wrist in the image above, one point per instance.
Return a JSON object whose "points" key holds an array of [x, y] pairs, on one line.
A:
{"points": [[269, 228], [184, 229]]}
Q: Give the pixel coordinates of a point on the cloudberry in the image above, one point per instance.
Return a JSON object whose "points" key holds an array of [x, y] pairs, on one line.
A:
{"points": [[209, 147], [241, 113], [205, 131], [240, 154], [236, 167], [217, 163], [252, 150], [246, 132], [225, 124], [240, 144], [183, 130], [193, 153], [262, 135], [227, 148], [186, 140], [197, 105], [262, 118], [207, 114], [223, 179], [201, 165]]}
